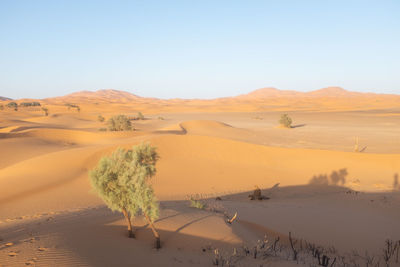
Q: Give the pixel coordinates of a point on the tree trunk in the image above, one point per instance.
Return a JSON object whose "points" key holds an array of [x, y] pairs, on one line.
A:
{"points": [[156, 235], [128, 220]]}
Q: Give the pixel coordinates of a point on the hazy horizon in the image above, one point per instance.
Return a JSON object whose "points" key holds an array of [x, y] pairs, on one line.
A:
{"points": [[197, 50]]}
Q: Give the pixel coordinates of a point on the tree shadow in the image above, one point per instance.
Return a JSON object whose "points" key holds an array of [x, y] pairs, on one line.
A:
{"points": [[335, 178]]}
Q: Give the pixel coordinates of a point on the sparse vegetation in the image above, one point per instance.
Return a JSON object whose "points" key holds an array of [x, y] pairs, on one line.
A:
{"points": [[139, 116], [13, 105], [196, 203], [122, 182], [306, 253], [100, 118], [161, 118], [119, 123], [1, 107], [103, 129], [46, 111], [73, 106], [30, 104], [285, 121]]}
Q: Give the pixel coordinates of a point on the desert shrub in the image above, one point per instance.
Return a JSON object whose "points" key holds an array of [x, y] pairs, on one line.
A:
{"points": [[30, 104], [122, 182], [195, 203], [73, 106], [103, 129], [161, 118], [285, 121], [119, 123], [139, 116], [1, 107], [13, 105], [100, 118], [46, 111]]}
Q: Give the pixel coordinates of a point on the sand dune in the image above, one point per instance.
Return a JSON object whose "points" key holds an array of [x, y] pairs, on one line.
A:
{"points": [[221, 147]]}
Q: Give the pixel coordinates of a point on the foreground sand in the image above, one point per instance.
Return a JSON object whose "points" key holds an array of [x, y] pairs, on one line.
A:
{"points": [[48, 212]]}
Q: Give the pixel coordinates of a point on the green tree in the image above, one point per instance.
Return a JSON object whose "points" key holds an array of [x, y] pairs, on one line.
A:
{"points": [[119, 123], [122, 181], [285, 121]]}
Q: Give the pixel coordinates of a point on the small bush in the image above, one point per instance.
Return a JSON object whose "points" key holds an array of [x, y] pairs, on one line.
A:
{"points": [[103, 129], [119, 123], [13, 105], [100, 118], [139, 116], [30, 104], [285, 121], [73, 106], [46, 111], [195, 203], [161, 118], [1, 107]]}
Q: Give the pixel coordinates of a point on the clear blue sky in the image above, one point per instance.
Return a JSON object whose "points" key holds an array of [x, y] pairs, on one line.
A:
{"points": [[197, 49]]}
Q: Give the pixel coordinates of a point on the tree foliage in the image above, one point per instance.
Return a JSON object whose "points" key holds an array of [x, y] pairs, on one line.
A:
{"points": [[122, 181], [119, 123], [285, 121]]}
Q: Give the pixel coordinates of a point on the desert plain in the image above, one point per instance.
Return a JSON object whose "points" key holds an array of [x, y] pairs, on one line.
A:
{"points": [[217, 152]]}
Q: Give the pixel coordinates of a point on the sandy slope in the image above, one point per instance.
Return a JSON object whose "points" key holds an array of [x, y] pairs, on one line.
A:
{"points": [[45, 192]]}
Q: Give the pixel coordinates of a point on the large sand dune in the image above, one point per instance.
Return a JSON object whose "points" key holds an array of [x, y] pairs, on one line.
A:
{"points": [[222, 147]]}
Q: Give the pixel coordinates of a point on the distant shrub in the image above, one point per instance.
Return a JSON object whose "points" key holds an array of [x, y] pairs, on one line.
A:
{"points": [[46, 111], [285, 121], [195, 203], [13, 105], [161, 118], [73, 106], [1, 107], [100, 118], [30, 104], [103, 129], [119, 123], [139, 116]]}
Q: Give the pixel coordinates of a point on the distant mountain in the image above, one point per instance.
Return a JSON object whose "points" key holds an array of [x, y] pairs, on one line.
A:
{"points": [[269, 92], [104, 95], [2, 98]]}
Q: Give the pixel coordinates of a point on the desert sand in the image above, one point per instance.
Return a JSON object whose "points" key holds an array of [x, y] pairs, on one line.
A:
{"points": [[49, 215]]}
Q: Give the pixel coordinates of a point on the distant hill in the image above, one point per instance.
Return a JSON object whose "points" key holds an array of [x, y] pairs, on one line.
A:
{"points": [[324, 92], [2, 98], [104, 95]]}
